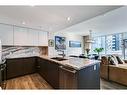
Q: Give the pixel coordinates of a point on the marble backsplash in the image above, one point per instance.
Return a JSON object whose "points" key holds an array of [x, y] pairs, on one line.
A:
{"points": [[20, 51]]}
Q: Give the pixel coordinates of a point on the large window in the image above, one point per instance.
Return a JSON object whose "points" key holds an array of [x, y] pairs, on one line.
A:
{"points": [[112, 44], [99, 42], [125, 45]]}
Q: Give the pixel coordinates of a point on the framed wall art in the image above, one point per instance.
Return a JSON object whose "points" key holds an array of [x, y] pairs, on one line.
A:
{"points": [[74, 44], [60, 43]]}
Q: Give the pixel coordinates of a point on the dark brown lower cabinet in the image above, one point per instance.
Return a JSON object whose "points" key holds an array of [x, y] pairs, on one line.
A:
{"points": [[86, 78], [58, 76], [49, 71], [14, 68], [41, 66], [67, 78], [29, 65], [89, 77], [53, 74], [20, 66]]}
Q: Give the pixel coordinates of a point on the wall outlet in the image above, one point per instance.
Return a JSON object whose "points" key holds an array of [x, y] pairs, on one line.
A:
{"points": [[94, 67]]}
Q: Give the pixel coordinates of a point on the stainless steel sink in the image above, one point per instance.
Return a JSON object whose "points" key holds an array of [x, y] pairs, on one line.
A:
{"points": [[59, 58]]}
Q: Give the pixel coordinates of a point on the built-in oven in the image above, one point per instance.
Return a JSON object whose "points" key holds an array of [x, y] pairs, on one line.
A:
{"points": [[3, 74]]}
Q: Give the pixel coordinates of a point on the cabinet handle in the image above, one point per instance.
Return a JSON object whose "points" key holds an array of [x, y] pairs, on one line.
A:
{"points": [[71, 71]]}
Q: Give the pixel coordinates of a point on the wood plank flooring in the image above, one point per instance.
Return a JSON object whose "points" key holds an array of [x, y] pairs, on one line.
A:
{"points": [[32, 81], [35, 81], [111, 85]]}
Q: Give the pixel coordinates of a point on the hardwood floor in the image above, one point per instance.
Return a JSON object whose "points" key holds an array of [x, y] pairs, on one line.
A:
{"points": [[111, 85], [35, 81]]}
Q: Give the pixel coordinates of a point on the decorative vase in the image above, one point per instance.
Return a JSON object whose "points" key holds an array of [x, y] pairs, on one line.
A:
{"points": [[87, 51]]}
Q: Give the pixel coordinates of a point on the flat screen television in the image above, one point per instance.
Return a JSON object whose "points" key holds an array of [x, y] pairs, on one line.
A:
{"points": [[60, 43]]}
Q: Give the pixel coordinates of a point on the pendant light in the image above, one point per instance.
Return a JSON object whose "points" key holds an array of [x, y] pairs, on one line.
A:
{"points": [[90, 40]]}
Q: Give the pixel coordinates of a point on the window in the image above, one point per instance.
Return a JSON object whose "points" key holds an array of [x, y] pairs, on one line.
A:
{"points": [[99, 42], [125, 45], [114, 44]]}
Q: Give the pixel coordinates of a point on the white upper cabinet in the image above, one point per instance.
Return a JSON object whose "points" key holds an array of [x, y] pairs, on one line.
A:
{"points": [[6, 34], [20, 36], [43, 38], [32, 37]]}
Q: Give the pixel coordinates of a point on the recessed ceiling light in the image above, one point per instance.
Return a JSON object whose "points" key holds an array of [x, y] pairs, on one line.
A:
{"points": [[68, 18], [23, 22]]}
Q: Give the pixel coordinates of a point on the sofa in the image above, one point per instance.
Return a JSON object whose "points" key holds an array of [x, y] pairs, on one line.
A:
{"points": [[112, 72]]}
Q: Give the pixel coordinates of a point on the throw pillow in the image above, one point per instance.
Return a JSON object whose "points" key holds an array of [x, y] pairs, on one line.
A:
{"points": [[114, 56], [113, 60], [110, 61], [120, 60]]}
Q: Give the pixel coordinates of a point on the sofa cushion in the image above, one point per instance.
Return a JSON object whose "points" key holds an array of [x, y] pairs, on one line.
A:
{"points": [[120, 60], [123, 66], [118, 73]]}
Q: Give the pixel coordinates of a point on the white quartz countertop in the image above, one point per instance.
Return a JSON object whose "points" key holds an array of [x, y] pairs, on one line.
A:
{"points": [[76, 63]]}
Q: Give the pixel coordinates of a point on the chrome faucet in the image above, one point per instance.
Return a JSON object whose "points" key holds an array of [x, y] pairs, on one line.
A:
{"points": [[63, 54]]}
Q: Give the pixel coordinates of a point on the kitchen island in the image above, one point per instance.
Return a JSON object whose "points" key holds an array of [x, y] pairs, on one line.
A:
{"points": [[73, 73]]}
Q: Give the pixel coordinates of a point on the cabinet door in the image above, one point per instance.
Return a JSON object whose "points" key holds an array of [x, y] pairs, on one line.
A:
{"points": [[28, 65], [43, 68], [32, 37], [14, 68], [89, 77], [53, 74], [20, 66], [43, 38], [37, 64], [6, 34], [49, 71], [38, 67], [20, 36], [67, 78]]}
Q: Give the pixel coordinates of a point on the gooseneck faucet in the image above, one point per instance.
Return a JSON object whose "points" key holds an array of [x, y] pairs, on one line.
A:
{"points": [[63, 54]]}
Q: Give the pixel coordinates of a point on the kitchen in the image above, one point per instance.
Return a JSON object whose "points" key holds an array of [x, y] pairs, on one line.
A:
{"points": [[28, 48]]}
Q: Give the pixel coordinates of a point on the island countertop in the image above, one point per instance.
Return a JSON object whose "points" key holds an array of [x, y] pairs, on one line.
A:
{"points": [[76, 63], [73, 62]]}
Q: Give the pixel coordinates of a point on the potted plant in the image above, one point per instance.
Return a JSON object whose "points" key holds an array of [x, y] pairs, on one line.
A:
{"points": [[98, 50]]}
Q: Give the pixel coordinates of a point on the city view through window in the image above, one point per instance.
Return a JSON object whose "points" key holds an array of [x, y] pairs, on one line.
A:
{"points": [[112, 44]]}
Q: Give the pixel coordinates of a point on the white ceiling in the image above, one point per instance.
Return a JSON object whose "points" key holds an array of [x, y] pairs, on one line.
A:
{"points": [[111, 22], [51, 18]]}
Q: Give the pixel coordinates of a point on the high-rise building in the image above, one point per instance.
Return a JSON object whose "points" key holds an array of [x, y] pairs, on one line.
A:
{"points": [[116, 42]]}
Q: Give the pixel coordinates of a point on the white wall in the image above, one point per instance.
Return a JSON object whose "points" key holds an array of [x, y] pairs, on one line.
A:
{"points": [[69, 50]]}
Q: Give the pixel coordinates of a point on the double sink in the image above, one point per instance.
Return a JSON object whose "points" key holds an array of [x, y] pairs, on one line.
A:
{"points": [[59, 58]]}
